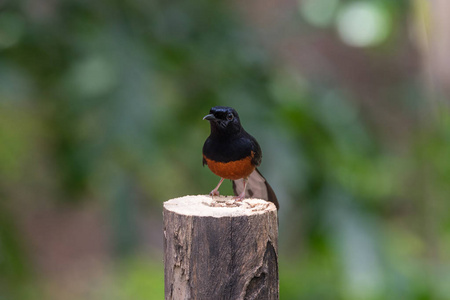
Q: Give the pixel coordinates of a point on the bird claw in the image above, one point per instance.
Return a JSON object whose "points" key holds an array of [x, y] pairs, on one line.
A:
{"points": [[238, 198], [214, 193]]}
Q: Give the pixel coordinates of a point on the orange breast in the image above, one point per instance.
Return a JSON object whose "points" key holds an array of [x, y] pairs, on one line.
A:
{"points": [[232, 170]]}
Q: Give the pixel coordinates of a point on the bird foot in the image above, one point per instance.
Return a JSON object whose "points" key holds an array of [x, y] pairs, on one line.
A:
{"points": [[239, 198], [214, 193]]}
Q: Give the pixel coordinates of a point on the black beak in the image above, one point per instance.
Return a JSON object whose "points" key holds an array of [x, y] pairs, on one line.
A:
{"points": [[209, 117]]}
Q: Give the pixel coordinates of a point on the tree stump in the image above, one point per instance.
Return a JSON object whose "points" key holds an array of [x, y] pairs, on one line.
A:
{"points": [[220, 249]]}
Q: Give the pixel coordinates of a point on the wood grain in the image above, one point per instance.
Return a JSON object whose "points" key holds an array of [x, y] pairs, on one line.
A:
{"points": [[220, 249]]}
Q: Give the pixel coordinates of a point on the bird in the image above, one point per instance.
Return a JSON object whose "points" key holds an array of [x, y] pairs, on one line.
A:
{"points": [[230, 152]]}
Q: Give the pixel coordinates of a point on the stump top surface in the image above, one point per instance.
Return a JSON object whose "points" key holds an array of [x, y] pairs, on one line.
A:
{"points": [[218, 206]]}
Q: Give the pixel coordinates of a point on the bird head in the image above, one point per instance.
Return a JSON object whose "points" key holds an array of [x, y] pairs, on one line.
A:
{"points": [[223, 120]]}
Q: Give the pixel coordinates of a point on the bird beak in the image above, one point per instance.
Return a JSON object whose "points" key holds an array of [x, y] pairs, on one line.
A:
{"points": [[209, 117]]}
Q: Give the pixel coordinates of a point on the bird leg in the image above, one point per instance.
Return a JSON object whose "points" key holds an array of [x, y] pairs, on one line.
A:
{"points": [[215, 192], [241, 196]]}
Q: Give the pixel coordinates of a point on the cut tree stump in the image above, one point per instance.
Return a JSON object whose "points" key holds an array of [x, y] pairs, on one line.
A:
{"points": [[218, 249]]}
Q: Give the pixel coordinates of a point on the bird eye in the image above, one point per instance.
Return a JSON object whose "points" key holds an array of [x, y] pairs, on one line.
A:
{"points": [[230, 117]]}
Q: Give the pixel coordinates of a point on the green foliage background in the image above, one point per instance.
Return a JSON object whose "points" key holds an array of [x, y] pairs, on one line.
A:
{"points": [[101, 103]]}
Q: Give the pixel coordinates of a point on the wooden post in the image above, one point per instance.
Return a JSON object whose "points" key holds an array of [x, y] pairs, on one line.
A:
{"points": [[220, 249]]}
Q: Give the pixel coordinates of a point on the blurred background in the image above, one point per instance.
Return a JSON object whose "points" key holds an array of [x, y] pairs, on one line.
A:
{"points": [[101, 106]]}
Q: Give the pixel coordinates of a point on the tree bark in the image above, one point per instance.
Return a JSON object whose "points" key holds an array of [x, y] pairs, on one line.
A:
{"points": [[220, 249]]}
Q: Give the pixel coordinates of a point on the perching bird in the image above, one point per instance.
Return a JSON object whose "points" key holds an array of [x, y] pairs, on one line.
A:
{"points": [[231, 153]]}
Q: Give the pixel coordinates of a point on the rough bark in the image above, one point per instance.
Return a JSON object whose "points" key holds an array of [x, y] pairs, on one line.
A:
{"points": [[218, 249]]}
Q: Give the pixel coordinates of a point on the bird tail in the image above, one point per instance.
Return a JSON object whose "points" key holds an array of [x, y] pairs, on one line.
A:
{"points": [[257, 187]]}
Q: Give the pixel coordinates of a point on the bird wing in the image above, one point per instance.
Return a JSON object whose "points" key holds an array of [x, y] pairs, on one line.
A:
{"points": [[257, 187]]}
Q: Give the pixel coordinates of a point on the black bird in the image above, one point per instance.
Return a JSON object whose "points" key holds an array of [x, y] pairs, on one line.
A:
{"points": [[231, 153]]}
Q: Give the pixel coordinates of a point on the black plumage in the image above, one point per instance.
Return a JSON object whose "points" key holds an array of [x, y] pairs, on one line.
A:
{"points": [[232, 153]]}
